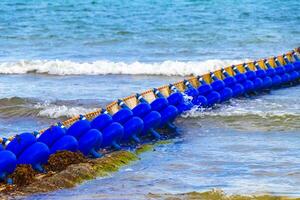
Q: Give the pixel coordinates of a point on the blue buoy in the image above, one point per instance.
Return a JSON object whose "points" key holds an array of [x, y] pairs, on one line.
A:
{"points": [[267, 80], [168, 112], [8, 163], [159, 104], [251, 75], [132, 128], [65, 143], [242, 79], [285, 77], [112, 135], [35, 155], [144, 121], [90, 142], [112, 132], [190, 90], [20, 143], [168, 115], [276, 79], [204, 88], [141, 110], [290, 68], [219, 85], [152, 121], [101, 121], [200, 100], [79, 128], [197, 99], [177, 99], [231, 82], [213, 97], [297, 61], [51, 135], [122, 116]]}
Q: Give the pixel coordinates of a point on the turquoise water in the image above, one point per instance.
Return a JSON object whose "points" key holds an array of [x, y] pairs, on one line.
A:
{"points": [[63, 58], [147, 30]]}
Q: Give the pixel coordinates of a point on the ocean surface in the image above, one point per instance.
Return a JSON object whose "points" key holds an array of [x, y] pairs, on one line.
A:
{"points": [[63, 58]]}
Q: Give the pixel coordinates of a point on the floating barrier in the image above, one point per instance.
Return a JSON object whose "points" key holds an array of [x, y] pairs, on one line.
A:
{"points": [[131, 119], [112, 131], [28, 151], [56, 139], [89, 140]]}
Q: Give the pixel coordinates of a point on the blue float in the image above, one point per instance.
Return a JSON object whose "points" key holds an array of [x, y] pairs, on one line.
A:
{"points": [[177, 99], [213, 97], [35, 155], [133, 125], [112, 135], [267, 80], [8, 163], [285, 77], [231, 82], [112, 132], [29, 151], [219, 86], [251, 75], [151, 119], [297, 61], [270, 71], [51, 135], [242, 79], [65, 143], [140, 110], [56, 139], [160, 104], [79, 128], [20, 143], [88, 141], [197, 99], [291, 69], [102, 121]]}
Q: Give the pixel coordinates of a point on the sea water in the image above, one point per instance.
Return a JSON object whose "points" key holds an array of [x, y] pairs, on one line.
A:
{"points": [[63, 58]]}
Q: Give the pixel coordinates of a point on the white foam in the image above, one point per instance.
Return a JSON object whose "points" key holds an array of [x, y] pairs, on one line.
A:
{"points": [[239, 113], [242, 108], [102, 67], [55, 111]]}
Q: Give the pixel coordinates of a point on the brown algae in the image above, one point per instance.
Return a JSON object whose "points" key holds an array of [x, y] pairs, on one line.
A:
{"points": [[213, 195], [72, 171]]}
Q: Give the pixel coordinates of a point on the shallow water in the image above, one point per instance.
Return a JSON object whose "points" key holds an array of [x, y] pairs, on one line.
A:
{"points": [[59, 59], [252, 150]]}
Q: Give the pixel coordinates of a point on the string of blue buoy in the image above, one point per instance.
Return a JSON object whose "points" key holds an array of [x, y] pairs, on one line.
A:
{"points": [[145, 119]]}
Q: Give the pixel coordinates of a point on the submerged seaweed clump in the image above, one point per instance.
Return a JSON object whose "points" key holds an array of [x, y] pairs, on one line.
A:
{"points": [[23, 175], [77, 173], [62, 159], [112, 162]]}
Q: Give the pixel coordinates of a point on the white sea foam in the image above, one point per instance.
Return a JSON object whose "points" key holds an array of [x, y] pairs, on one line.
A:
{"points": [[240, 113], [55, 111], [247, 107], [102, 67]]}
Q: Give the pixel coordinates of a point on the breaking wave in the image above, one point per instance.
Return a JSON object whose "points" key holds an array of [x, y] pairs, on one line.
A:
{"points": [[26, 107], [102, 67]]}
